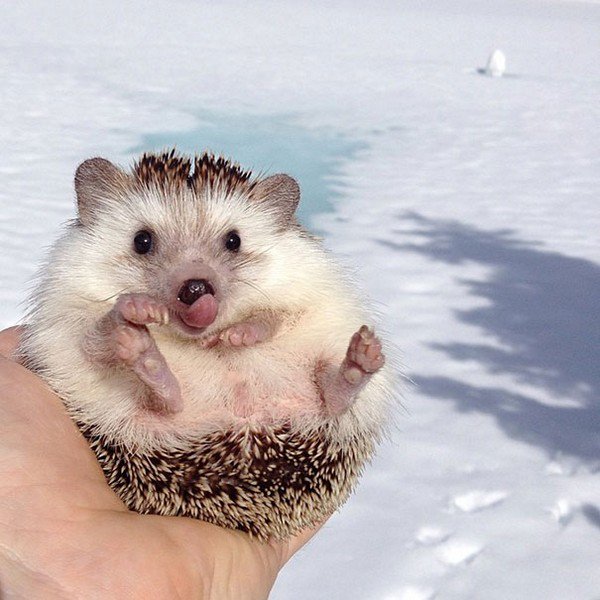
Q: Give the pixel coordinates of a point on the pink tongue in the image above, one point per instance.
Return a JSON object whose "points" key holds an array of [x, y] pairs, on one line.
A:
{"points": [[202, 313]]}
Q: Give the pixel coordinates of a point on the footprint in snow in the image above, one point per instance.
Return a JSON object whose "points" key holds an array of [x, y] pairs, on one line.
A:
{"points": [[458, 552], [560, 468], [563, 511], [555, 468], [476, 500], [431, 536]]}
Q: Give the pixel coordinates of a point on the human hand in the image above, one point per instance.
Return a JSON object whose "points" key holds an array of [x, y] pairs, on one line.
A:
{"points": [[64, 534]]}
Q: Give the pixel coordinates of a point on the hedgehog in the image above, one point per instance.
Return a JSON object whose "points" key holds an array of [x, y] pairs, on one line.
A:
{"points": [[216, 358]]}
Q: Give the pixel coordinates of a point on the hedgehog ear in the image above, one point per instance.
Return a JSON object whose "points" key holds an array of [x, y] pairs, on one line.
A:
{"points": [[96, 181], [279, 192]]}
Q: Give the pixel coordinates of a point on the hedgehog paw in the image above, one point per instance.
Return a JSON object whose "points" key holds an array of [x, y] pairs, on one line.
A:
{"points": [[339, 386], [364, 356], [244, 334], [141, 309], [135, 347], [131, 342]]}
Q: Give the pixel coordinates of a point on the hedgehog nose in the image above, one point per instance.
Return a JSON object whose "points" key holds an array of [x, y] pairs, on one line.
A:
{"points": [[192, 289]]}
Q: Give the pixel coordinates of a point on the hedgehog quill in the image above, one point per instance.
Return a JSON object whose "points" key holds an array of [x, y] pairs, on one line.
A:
{"points": [[209, 349]]}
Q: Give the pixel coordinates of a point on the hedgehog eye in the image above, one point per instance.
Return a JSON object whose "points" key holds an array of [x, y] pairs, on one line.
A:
{"points": [[233, 241], [142, 242]]}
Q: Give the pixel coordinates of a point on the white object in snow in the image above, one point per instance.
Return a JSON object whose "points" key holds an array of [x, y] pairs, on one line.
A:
{"points": [[496, 64]]}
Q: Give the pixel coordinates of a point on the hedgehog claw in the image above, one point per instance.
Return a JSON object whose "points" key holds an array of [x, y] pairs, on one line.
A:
{"points": [[141, 309]]}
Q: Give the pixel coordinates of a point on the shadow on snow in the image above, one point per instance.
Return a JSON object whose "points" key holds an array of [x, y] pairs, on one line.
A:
{"points": [[544, 309]]}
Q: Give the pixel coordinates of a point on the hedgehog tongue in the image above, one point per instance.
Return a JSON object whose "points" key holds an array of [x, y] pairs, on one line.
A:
{"points": [[202, 313]]}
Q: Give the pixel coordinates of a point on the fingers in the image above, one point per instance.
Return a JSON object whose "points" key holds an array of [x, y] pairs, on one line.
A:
{"points": [[9, 338], [43, 452]]}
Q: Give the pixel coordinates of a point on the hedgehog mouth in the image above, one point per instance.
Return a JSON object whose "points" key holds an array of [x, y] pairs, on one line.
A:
{"points": [[202, 312], [183, 328], [195, 319]]}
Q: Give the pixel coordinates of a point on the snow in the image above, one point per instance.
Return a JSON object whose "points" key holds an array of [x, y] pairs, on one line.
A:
{"points": [[477, 500], [496, 64], [467, 205]]}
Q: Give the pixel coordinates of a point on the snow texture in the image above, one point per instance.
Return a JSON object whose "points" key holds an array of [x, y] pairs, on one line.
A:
{"points": [[468, 208]]}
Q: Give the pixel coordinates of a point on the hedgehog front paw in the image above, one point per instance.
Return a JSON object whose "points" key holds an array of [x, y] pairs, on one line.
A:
{"points": [[364, 356], [244, 334], [141, 309]]}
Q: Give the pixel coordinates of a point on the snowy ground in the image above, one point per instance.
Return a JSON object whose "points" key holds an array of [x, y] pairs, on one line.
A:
{"points": [[469, 206]]}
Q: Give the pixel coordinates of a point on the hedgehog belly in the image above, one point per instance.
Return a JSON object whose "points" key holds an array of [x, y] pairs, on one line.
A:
{"points": [[268, 482]]}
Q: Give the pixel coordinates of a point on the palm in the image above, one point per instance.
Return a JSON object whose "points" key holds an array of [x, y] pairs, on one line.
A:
{"points": [[64, 533]]}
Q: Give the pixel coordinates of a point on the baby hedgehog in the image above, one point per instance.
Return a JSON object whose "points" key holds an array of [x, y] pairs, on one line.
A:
{"points": [[207, 346]]}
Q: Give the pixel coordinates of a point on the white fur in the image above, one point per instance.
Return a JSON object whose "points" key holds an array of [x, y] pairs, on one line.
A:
{"points": [[89, 267]]}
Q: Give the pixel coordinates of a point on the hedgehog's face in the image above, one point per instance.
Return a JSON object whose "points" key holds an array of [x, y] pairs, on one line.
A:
{"points": [[202, 248]]}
